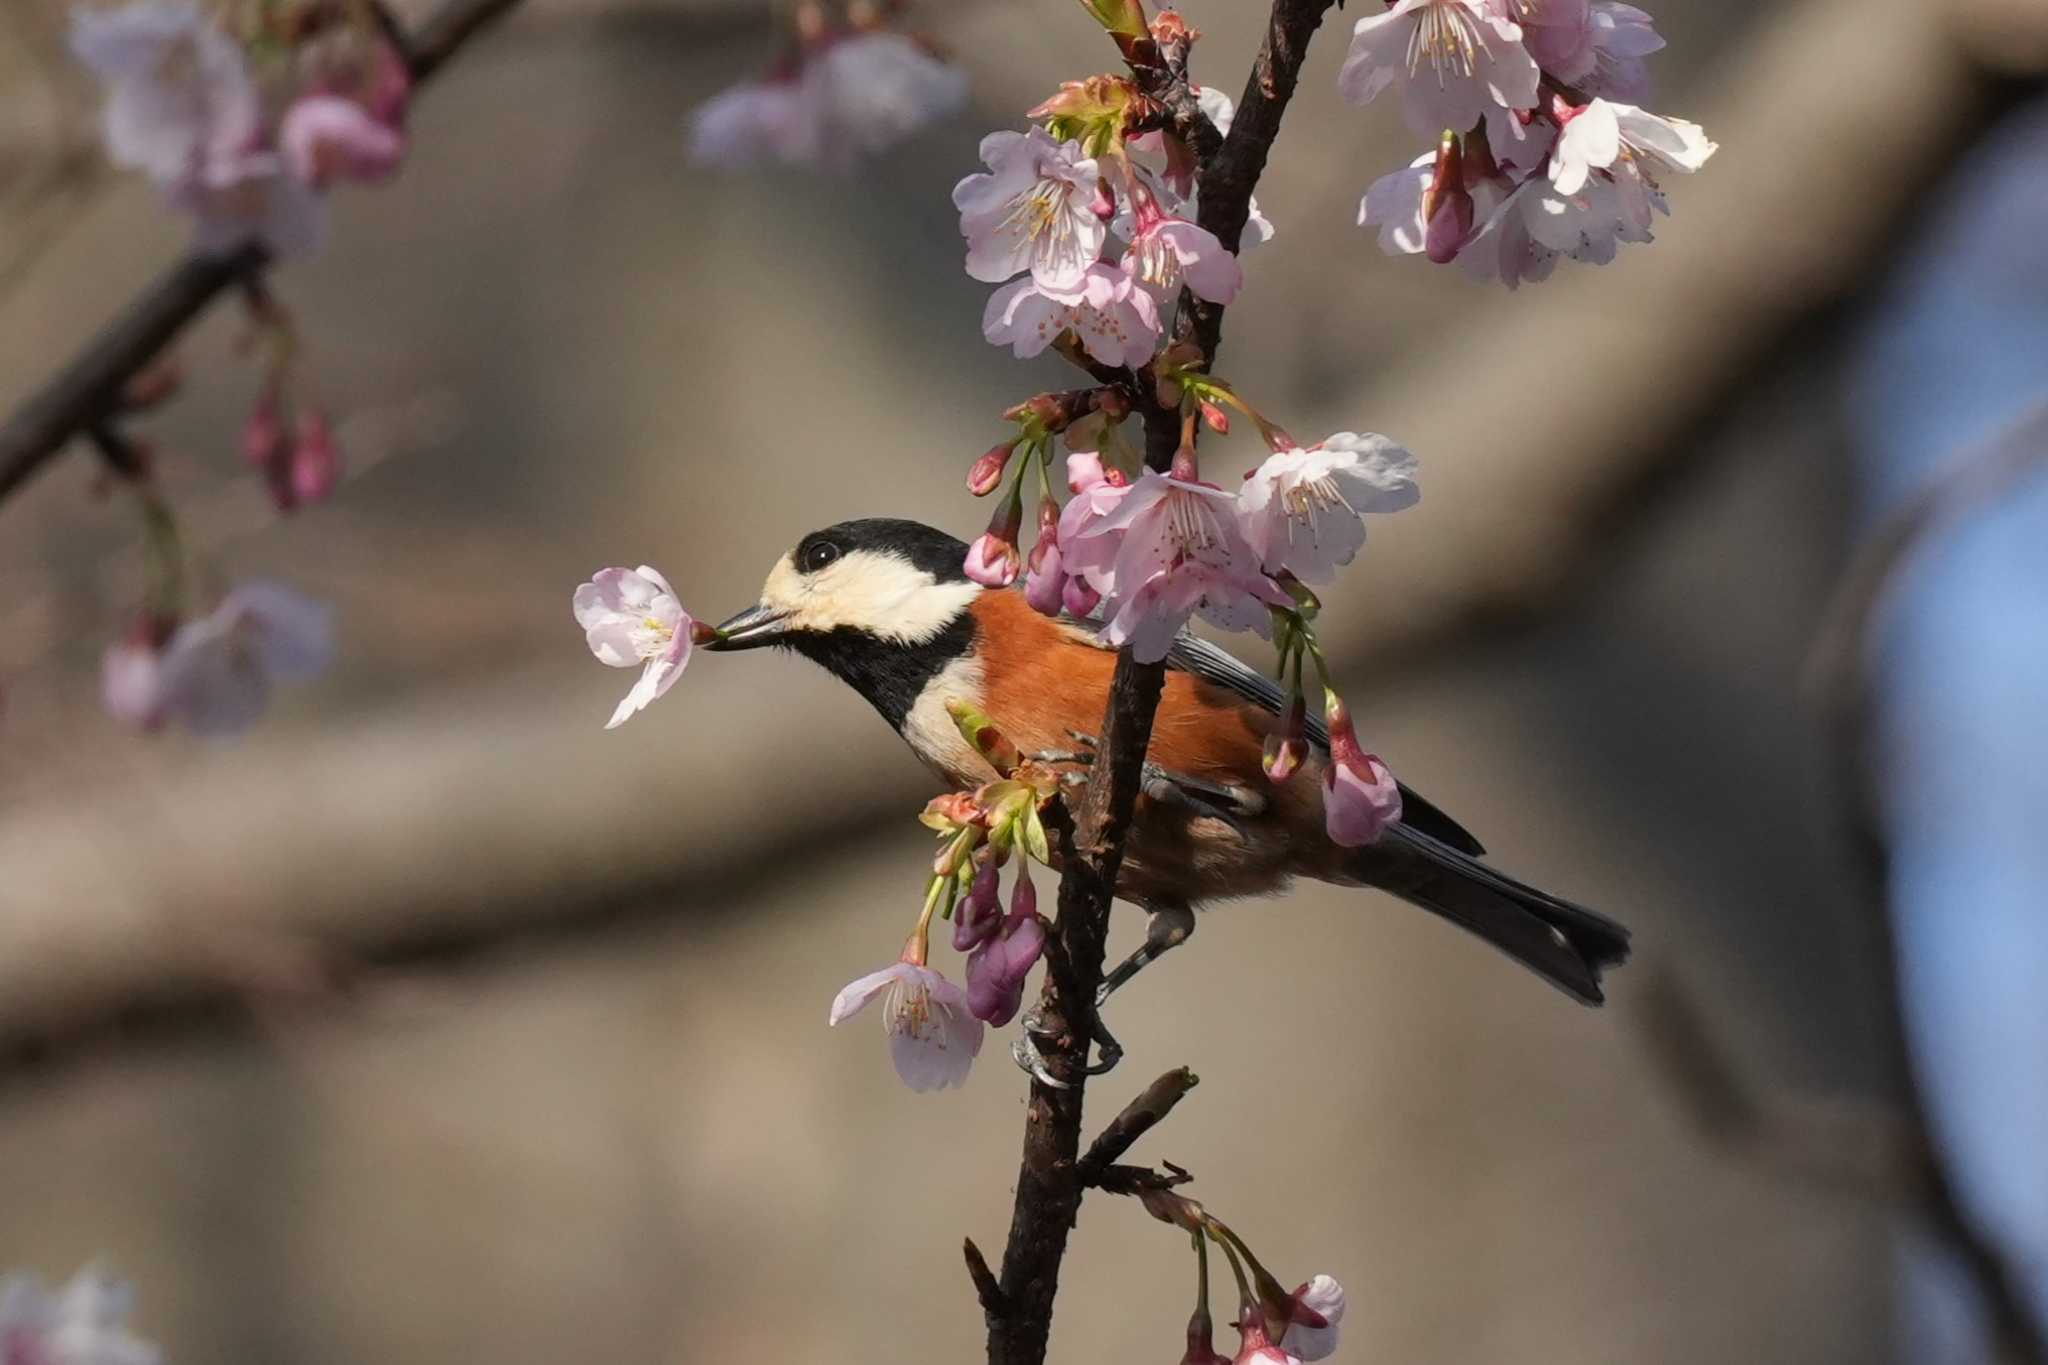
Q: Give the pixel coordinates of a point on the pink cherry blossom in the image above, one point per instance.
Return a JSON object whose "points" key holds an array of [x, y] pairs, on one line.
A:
{"points": [[752, 121], [84, 1323], [993, 560], [1160, 551], [1314, 1314], [1631, 146], [1360, 797], [183, 108], [853, 94], [179, 93], [1596, 46], [871, 91], [326, 137], [214, 674], [1114, 319], [1045, 583], [933, 1038], [1168, 252], [1303, 510], [629, 617], [1039, 207], [1454, 59]]}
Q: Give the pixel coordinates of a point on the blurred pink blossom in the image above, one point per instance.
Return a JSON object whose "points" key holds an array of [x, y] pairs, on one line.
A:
{"points": [[629, 617], [84, 1323]]}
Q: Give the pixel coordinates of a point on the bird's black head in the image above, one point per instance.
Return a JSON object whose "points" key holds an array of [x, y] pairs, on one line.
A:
{"points": [[880, 602]]}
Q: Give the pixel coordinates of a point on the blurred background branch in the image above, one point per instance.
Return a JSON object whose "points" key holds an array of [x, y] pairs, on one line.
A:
{"points": [[88, 389]]}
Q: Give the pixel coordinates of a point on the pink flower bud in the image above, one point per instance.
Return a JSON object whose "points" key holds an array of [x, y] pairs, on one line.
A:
{"points": [[1078, 598], [1217, 419], [986, 475], [1447, 203], [1360, 796], [316, 460], [1313, 1313], [997, 969], [263, 434], [390, 88], [1286, 749], [980, 913], [1045, 587], [993, 560], [324, 137]]}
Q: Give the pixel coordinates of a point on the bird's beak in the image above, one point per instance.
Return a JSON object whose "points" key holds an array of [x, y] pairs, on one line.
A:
{"points": [[752, 628]]}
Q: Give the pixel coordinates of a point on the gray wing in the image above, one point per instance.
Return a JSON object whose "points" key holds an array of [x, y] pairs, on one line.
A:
{"points": [[1214, 664]]}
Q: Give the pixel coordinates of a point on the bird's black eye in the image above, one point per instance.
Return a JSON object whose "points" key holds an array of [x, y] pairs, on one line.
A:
{"points": [[817, 555]]}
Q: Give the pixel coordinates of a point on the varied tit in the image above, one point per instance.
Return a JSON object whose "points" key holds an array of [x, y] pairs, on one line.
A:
{"points": [[887, 608]]}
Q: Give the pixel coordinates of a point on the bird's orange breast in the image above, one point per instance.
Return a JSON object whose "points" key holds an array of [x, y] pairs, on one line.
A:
{"points": [[1044, 682]]}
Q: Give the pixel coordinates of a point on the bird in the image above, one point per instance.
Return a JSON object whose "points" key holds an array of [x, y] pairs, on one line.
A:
{"points": [[885, 605]]}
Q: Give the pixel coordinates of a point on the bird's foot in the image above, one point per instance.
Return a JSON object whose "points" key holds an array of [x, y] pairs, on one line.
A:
{"points": [[1031, 1059], [1024, 1052]]}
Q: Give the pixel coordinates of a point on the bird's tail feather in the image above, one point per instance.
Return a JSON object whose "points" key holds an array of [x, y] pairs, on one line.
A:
{"points": [[1567, 945]]}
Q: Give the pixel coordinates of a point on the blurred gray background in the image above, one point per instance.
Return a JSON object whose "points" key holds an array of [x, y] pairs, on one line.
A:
{"points": [[619, 1129]]}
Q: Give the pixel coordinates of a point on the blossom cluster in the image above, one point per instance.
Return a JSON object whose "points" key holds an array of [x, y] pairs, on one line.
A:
{"points": [[243, 118], [83, 1323], [1040, 221], [1274, 1326], [934, 1027], [841, 92], [1542, 147]]}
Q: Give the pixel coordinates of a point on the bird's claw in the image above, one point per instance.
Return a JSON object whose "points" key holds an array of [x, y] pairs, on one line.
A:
{"points": [[1024, 1052]]}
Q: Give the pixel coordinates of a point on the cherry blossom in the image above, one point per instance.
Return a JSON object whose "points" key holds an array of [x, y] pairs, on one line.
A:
{"points": [[179, 94], [1631, 146], [1163, 550], [84, 1323], [750, 122], [214, 674], [1314, 1313], [1303, 509], [1166, 252], [871, 91], [1040, 207], [1113, 318], [183, 108], [325, 137], [1454, 59], [850, 95], [632, 616], [1596, 46], [933, 1038], [1360, 797]]}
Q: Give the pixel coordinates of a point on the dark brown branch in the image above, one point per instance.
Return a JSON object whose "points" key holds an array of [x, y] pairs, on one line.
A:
{"points": [[1138, 1179], [89, 389], [1139, 1117], [1049, 1182]]}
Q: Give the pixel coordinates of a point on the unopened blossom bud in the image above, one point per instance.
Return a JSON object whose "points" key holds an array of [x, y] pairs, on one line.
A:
{"points": [[993, 560], [131, 677], [264, 440], [1360, 797], [997, 969], [977, 729], [986, 475], [980, 912], [953, 811], [316, 460], [1313, 1313], [1078, 598], [1202, 1342], [1111, 402], [154, 385], [326, 137], [389, 95], [1217, 419], [1287, 747], [1255, 1344], [1447, 207]]}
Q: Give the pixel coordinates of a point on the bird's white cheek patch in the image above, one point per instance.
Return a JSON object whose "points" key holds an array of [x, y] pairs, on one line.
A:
{"points": [[932, 734]]}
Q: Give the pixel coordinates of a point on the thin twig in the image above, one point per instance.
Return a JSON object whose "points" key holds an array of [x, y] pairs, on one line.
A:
{"points": [[88, 389], [993, 1305], [1049, 1183]]}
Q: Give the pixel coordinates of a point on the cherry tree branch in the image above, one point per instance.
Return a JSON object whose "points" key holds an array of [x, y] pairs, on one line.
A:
{"points": [[88, 390], [1050, 1180]]}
